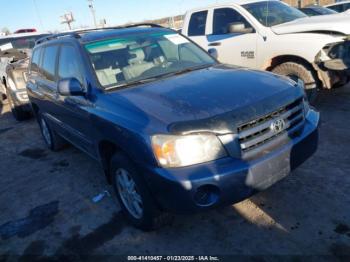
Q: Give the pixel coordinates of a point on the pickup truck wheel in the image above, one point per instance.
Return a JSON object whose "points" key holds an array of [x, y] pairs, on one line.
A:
{"points": [[135, 200], [18, 113], [51, 138], [3, 96], [300, 71]]}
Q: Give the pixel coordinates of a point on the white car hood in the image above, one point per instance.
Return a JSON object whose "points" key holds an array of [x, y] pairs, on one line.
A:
{"points": [[339, 23]]}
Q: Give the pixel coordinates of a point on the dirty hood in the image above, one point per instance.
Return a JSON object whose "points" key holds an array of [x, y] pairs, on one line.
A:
{"points": [[338, 23], [215, 99]]}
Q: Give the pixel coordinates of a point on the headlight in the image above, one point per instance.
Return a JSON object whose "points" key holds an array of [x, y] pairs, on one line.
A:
{"points": [[178, 151], [18, 82]]}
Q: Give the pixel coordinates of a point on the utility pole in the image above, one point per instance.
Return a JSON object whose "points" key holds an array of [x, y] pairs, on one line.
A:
{"points": [[67, 19], [93, 12]]}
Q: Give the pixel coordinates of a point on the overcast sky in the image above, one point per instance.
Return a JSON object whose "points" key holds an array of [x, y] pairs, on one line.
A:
{"points": [[45, 14]]}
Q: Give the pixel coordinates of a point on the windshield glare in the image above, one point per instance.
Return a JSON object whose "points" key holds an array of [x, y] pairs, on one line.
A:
{"points": [[120, 61], [270, 13]]}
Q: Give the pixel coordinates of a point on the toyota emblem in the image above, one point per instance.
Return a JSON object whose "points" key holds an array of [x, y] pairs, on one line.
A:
{"points": [[278, 125]]}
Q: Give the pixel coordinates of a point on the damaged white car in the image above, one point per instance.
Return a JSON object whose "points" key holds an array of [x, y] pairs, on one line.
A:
{"points": [[273, 36]]}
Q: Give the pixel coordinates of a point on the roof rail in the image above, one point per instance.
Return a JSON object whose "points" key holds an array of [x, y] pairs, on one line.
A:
{"points": [[75, 34], [55, 36]]}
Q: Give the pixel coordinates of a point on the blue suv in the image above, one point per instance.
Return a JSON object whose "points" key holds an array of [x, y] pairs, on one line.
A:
{"points": [[173, 129]]}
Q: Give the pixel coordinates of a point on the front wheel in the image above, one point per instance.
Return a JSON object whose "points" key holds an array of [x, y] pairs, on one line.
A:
{"points": [[299, 71], [18, 112], [136, 202]]}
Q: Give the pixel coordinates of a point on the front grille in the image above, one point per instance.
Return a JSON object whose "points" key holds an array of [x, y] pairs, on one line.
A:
{"points": [[289, 118]]}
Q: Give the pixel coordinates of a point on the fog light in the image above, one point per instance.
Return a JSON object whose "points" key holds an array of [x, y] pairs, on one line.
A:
{"points": [[207, 195]]}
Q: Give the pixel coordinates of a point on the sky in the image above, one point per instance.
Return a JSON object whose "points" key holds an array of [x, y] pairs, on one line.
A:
{"points": [[44, 15]]}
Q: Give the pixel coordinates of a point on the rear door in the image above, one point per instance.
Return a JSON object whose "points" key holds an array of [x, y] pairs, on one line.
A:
{"points": [[73, 111], [233, 48], [197, 27], [46, 83]]}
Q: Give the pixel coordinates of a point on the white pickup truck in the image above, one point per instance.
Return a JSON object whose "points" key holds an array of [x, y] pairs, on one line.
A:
{"points": [[273, 36]]}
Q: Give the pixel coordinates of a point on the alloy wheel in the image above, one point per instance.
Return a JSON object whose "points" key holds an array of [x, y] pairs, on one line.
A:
{"points": [[46, 132], [128, 193]]}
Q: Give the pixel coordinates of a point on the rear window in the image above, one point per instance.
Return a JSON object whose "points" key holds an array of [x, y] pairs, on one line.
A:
{"points": [[346, 6], [338, 8], [197, 23], [35, 61], [49, 62]]}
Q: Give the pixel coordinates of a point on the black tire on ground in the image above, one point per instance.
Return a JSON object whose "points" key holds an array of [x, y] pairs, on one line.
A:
{"points": [[18, 113], [152, 218], [3, 97], [51, 138], [303, 72]]}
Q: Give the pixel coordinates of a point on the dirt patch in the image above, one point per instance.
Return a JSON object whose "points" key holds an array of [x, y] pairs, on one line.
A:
{"points": [[340, 249], [39, 218], [80, 246], [342, 229], [3, 130], [36, 247], [33, 153], [61, 163]]}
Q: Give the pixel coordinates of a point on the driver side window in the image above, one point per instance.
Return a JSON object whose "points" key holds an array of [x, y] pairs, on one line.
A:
{"points": [[223, 17], [69, 63]]}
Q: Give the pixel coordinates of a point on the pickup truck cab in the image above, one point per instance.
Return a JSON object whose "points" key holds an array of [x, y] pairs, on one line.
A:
{"points": [[272, 36], [14, 52], [173, 129]]}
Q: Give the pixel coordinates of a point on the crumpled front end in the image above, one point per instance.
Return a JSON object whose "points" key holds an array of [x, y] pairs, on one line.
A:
{"points": [[333, 62]]}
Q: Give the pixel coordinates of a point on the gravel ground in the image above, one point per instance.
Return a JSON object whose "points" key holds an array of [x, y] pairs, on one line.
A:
{"points": [[46, 206]]}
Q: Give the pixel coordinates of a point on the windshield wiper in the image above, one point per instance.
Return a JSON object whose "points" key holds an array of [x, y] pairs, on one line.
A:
{"points": [[132, 83], [154, 78], [183, 71]]}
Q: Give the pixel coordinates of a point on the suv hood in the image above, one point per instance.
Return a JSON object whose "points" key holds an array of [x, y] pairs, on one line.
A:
{"points": [[215, 99], [335, 23]]}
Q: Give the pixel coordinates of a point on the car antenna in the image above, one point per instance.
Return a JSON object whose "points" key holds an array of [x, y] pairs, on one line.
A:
{"points": [[267, 12]]}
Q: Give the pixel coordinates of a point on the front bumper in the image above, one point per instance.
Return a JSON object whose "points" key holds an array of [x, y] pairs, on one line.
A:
{"points": [[230, 180], [333, 63]]}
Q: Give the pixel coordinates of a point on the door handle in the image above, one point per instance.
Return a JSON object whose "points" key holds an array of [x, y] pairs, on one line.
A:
{"points": [[215, 44]]}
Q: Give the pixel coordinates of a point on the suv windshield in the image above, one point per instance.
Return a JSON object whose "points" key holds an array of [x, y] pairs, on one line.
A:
{"points": [[144, 57], [270, 13]]}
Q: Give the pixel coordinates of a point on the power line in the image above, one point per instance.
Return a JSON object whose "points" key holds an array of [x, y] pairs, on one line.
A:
{"points": [[38, 14]]}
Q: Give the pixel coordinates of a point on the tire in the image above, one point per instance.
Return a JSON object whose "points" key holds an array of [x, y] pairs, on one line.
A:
{"points": [[3, 96], [151, 217], [53, 141], [18, 113], [303, 72]]}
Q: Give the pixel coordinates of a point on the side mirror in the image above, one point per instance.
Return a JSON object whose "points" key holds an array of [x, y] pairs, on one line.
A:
{"points": [[70, 87], [213, 53], [239, 28]]}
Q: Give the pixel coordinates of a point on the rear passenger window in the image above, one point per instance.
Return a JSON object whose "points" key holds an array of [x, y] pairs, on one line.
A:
{"points": [[69, 65], [49, 62], [34, 67], [197, 23]]}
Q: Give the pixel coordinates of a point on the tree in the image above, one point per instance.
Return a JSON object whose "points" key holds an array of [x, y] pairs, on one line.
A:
{"points": [[5, 31]]}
